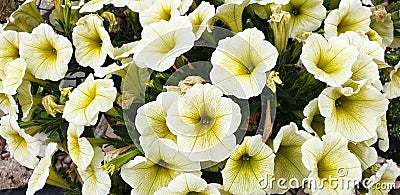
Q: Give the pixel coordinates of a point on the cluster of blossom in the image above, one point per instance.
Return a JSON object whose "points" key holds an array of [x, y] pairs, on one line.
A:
{"points": [[186, 130]]}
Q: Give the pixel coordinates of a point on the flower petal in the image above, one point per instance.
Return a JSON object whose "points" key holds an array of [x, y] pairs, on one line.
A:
{"points": [[79, 148]]}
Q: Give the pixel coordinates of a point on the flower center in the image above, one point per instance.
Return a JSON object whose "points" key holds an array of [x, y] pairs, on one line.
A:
{"points": [[295, 12], [206, 120], [162, 163], [338, 102], [192, 193], [245, 157]]}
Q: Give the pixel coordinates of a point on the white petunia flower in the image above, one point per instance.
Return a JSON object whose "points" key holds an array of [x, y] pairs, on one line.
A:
{"points": [[91, 41], [25, 18], [162, 165], [204, 123], [251, 162], [384, 178], [47, 54], [95, 179], [200, 17], [330, 61], [41, 171], [384, 28], [93, 6], [9, 47], [392, 88], [313, 121], [305, 15], [354, 110], [366, 155], [137, 5], [12, 77], [240, 63], [150, 120], [187, 183], [351, 16], [88, 99], [287, 163], [231, 14], [23, 147], [8, 105], [160, 10], [163, 42], [330, 160], [79, 148]]}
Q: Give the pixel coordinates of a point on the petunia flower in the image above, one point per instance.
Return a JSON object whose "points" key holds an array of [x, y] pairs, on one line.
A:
{"points": [[305, 15], [204, 123], [343, 19], [42, 170], [392, 88], [287, 163], [26, 100], [47, 54], [12, 76], [25, 18], [9, 46], [330, 61], [384, 178], [88, 99], [160, 10], [366, 155], [93, 6], [91, 41], [162, 165], [231, 14], [134, 86], [384, 27], [95, 179], [163, 42], [187, 183], [313, 121], [137, 5], [79, 148], [23, 147], [383, 134], [200, 17], [150, 120], [353, 111], [240, 63], [251, 162], [8, 105], [329, 160]]}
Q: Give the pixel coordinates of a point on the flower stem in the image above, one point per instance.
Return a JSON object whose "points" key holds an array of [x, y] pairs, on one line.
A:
{"points": [[117, 162], [56, 180]]}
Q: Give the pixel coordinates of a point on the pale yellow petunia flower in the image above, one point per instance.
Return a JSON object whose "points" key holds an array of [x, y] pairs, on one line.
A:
{"points": [[187, 183], [79, 148]]}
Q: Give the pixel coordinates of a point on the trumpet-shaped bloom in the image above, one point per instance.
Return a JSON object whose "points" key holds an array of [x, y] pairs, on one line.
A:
{"points": [[330, 160], [313, 121], [134, 5], [251, 161], [163, 42], [134, 86], [231, 14], [91, 41], [383, 135], [353, 111], [384, 178], [204, 123], [162, 165], [88, 99], [23, 147], [25, 18], [95, 179], [305, 15], [9, 47], [364, 68], [151, 120], [14, 72], [79, 148], [287, 164], [240, 63], [330, 61], [392, 88], [200, 17], [383, 27], [365, 154], [187, 183], [8, 105], [364, 45], [93, 6], [47, 54], [160, 10], [41, 171], [351, 16]]}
